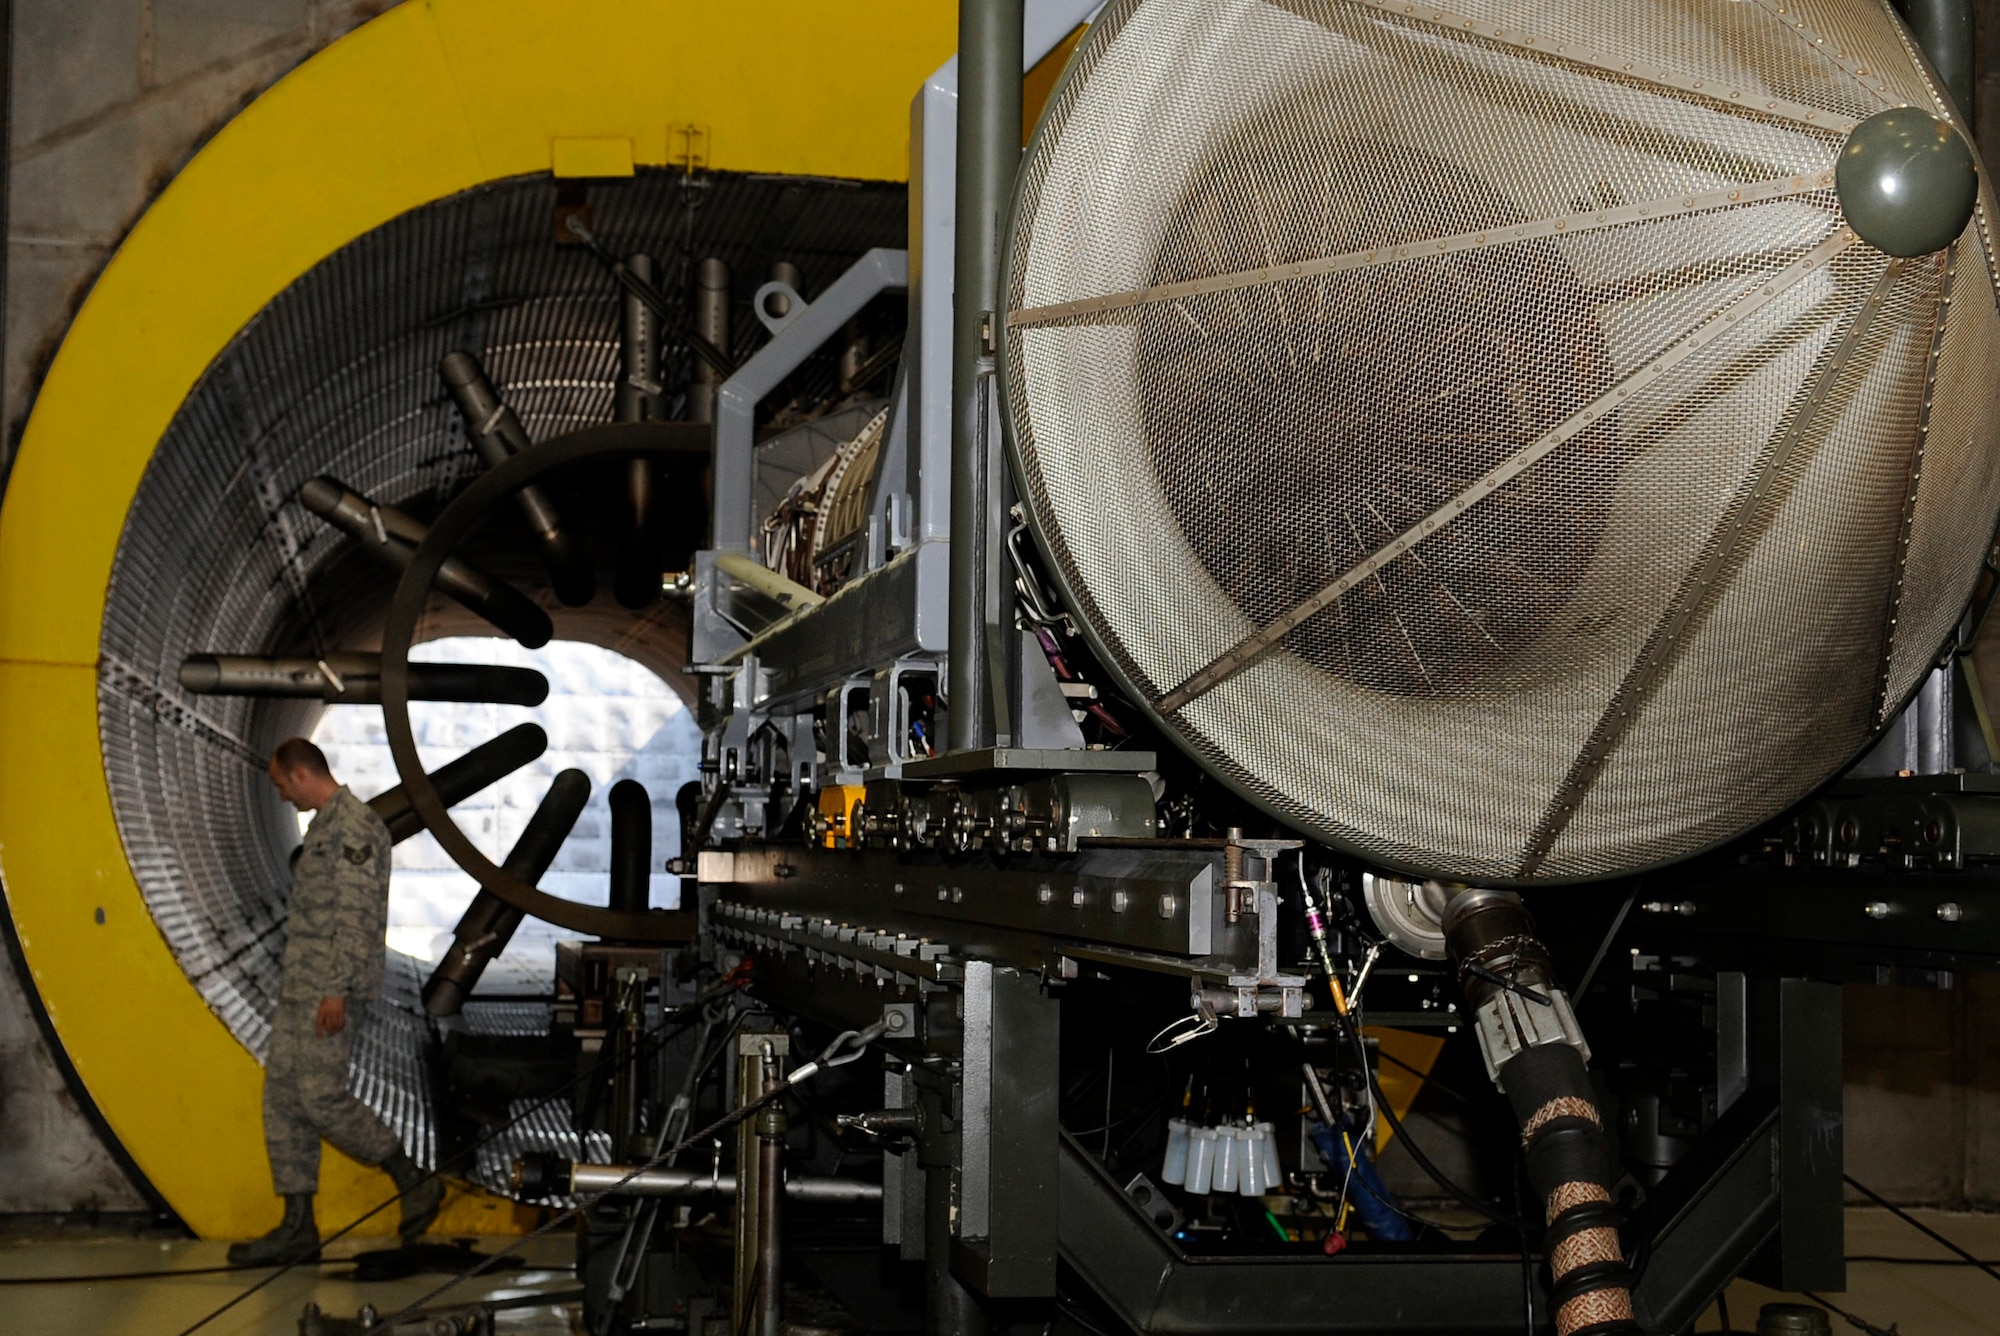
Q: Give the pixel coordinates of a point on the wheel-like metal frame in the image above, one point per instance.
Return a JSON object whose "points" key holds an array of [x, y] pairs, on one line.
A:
{"points": [[621, 440]]}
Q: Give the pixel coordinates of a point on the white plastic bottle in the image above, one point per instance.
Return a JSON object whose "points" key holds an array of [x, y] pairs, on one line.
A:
{"points": [[1201, 1159], [1274, 1173], [1174, 1170], [1251, 1180], [1228, 1157]]}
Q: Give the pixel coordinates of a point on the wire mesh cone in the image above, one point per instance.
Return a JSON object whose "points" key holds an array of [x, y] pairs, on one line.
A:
{"points": [[1475, 435]]}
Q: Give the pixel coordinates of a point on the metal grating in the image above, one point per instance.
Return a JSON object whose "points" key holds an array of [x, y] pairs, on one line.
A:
{"points": [[338, 376], [1524, 475]]}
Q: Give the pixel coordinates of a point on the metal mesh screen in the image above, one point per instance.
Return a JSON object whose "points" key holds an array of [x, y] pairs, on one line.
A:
{"points": [[1522, 472]]}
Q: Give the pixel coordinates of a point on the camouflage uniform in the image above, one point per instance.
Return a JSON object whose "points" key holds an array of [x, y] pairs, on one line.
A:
{"points": [[340, 904]]}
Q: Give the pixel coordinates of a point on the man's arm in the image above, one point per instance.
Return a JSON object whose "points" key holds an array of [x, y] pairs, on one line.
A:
{"points": [[361, 870]]}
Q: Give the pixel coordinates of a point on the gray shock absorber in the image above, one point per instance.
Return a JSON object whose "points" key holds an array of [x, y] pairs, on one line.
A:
{"points": [[1535, 1053]]}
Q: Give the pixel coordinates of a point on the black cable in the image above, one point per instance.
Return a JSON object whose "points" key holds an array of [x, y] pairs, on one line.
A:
{"points": [[1917, 1261], [155, 1275], [676, 325], [1722, 1311], [1436, 1174], [1863, 1323], [1423, 1076], [1918, 1225], [659, 1034]]}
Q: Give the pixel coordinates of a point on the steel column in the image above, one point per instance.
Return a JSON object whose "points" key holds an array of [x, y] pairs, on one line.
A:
{"points": [[989, 154]]}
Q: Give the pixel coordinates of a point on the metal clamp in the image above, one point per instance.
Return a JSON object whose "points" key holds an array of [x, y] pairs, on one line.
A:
{"points": [[1509, 1024]]}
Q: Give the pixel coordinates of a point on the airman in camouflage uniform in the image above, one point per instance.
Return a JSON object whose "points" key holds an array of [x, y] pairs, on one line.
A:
{"points": [[332, 966]]}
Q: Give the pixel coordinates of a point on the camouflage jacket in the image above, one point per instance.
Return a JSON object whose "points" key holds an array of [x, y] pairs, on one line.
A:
{"points": [[340, 905]]}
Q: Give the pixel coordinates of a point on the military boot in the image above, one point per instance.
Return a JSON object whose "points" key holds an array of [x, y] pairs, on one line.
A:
{"points": [[422, 1194], [295, 1239]]}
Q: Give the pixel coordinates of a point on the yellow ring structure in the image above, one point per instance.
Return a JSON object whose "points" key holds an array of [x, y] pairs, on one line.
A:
{"points": [[432, 98]]}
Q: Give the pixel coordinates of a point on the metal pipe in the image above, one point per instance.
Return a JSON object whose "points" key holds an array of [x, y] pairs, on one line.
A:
{"points": [[1943, 28], [628, 1083], [638, 394], [638, 399], [497, 434], [770, 1213], [711, 322], [626, 1180], [356, 679], [394, 537], [489, 922], [455, 781], [631, 847], [989, 154], [756, 1059]]}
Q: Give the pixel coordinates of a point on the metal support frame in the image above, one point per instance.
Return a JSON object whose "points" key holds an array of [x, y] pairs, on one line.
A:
{"points": [[875, 273], [1004, 1243], [1765, 1181]]}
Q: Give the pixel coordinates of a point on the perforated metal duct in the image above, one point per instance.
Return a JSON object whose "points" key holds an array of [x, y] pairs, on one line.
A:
{"points": [[1522, 471], [338, 376]]}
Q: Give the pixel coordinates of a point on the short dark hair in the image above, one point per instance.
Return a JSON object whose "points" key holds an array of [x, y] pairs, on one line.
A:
{"points": [[300, 754]]}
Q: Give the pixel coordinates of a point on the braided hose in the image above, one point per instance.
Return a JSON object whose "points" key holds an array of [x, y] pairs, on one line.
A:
{"points": [[1536, 1055]]}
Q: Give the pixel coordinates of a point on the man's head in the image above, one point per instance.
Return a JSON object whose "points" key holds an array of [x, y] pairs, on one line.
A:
{"points": [[299, 770]]}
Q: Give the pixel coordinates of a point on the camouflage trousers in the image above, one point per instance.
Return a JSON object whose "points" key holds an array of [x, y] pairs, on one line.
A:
{"points": [[306, 1100]]}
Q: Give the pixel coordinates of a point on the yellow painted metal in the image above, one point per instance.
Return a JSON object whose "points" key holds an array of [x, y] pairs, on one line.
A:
{"points": [[434, 97], [591, 157], [836, 813], [1410, 1055]]}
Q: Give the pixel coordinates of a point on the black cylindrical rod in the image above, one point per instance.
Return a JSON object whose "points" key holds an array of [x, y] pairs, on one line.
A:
{"points": [[1944, 29], [457, 780], [638, 399], [496, 433], [356, 679], [989, 154], [489, 923], [711, 322], [394, 537], [631, 847]]}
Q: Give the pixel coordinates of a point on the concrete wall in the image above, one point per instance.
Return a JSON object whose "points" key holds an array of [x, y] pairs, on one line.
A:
{"points": [[109, 99], [1923, 1091]]}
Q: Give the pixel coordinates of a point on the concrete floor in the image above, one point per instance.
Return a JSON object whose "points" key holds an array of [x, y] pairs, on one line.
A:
{"points": [[163, 1307], [1918, 1299]]}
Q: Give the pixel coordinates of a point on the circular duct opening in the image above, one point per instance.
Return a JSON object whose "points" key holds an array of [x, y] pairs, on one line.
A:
{"points": [[338, 376], [609, 716]]}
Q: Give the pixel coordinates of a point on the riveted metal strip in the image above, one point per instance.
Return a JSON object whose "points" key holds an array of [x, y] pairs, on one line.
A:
{"points": [[1569, 224], [1751, 300], [1871, 79], [1764, 103], [1948, 263], [1695, 587]]}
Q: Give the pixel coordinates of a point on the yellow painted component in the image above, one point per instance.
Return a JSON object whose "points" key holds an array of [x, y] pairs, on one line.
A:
{"points": [[1039, 82], [432, 98], [591, 157], [1409, 1056], [836, 814]]}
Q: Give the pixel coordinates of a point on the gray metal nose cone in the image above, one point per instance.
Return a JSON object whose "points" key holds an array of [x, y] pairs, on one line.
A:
{"points": [[1906, 181]]}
